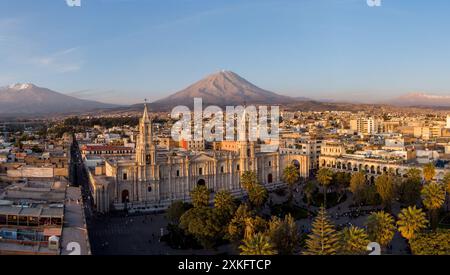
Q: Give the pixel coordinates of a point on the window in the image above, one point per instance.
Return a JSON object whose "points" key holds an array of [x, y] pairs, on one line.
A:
{"points": [[125, 176], [270, 163], [221, 169], [237, 167], [200, 171], [178, 173]]}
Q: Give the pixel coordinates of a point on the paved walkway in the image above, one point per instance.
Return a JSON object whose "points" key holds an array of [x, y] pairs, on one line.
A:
{"points": [[74, 230], [137, 235]]}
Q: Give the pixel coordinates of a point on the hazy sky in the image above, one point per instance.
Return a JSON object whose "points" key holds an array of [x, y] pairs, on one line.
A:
{"points": [[126, 50]]}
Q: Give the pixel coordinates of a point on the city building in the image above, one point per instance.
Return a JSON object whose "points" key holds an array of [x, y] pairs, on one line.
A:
{"points": [[156, 177]]}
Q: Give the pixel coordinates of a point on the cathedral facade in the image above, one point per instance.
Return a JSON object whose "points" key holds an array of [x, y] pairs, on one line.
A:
{"points": [[156, 176]]}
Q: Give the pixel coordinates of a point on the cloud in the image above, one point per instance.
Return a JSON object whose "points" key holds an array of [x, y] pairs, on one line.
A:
{"points": [[62, 61]]}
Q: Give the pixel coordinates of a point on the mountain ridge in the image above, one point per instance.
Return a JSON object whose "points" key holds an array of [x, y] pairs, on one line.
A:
{"points": [[28, 98]]}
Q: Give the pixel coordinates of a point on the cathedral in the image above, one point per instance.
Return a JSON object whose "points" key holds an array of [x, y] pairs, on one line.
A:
{"points": [[156, 176]]}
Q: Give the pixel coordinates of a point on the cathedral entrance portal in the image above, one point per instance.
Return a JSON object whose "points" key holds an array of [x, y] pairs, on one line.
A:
{"points": [[201, 182], [125, 196]]}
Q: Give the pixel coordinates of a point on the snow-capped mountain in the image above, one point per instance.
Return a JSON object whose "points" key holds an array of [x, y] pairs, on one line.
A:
{"points": [[27, 98]]}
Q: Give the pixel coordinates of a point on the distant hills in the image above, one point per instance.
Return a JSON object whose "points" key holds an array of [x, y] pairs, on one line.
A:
{"points": [[29, 99], [421, 100], [224, 88]]}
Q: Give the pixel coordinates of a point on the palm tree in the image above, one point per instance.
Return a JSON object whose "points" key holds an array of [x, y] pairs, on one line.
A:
{"points": [[381, 228], [385, 188], [429, 172], [254, 225], [354, 241], [411, 221], [223, 201], [291, 176], [258, 244], [248, 179], [414, 174], [325, 176], [200, 196], [258, 195], [323, 240], [433, 196], [283, 234]]}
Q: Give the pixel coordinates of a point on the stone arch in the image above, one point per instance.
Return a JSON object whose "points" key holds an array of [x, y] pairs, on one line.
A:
{"points": [[201, 182], [125, 196], [349, 166]]}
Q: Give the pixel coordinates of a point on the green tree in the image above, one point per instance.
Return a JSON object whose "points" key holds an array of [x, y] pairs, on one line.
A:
{"points": [[248, 179], [371, 196], [200, 196], [446, 181], [258, 196], [381, 228], [414, 174], [432, 243], [324, 177], [433, 197], [354, 241], [342, 181], [386, 189], [203, 223], [358, 186], [291, 176], [224, 203], [409, 189], [254, 225], [411, 221], [284, 234], [323, 240], [258, 244], [429, 171]]}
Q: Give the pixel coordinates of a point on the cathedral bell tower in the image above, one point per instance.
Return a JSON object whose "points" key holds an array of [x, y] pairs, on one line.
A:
{"points": [[246, 147], [145, 148]]}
